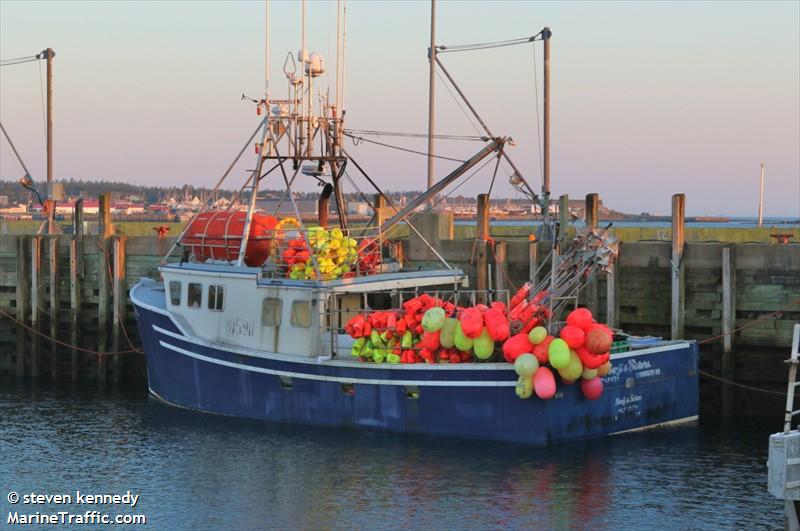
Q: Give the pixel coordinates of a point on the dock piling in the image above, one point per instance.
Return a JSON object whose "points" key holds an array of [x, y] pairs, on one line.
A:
{"points": [[533, 260], [52, 256], [590, 219], [677, 269], [590, 214], [728, 321], [500, 250], [482, 243], [74, 303], [104, 285], [23, 302], [563, 215], [120, 297], [37, 302]]}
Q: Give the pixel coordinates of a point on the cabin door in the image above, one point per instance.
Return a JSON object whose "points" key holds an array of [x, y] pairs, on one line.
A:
{"points": [[271, 318]]}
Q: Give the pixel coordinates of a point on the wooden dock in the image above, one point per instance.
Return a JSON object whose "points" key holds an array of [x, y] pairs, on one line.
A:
{"points": [[74, 288]]}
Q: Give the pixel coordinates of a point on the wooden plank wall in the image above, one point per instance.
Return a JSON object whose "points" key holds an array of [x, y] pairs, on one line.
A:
{"points": [[766, 278]]}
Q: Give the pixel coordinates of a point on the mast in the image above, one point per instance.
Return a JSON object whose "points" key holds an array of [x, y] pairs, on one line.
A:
{"points": [[338, 109], [761, 197], [49, 55], [431, 96], [546, 34], [338, 118], [266, 54]]}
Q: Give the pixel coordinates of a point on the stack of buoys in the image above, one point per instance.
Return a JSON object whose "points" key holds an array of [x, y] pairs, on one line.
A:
{"points": [[581, 352], [417, 333], [430, 330], [369, 256], [434, 331], [334, 252]]}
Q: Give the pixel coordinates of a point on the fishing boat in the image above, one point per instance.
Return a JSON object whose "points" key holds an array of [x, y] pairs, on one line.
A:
{"points": [[261, 317]]}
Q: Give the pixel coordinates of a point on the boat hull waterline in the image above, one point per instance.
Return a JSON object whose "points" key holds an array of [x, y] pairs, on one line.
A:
{"points": [[646, 388]]}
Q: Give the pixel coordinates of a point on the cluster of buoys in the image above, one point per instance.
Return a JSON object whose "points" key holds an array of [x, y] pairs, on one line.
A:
{"points": [[581, 352], [427, 330], [430, 330], [336, 254]]}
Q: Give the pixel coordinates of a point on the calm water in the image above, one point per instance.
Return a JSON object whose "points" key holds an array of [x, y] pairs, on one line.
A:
{"points": [[195, 471]]}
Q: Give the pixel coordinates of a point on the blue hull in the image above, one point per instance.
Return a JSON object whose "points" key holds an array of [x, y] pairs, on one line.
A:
{"points": [[645, 389]]}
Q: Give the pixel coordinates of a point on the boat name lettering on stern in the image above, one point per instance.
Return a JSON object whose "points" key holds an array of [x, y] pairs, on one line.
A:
{"points": [[239, 327], [638, 368], [630, 404]]}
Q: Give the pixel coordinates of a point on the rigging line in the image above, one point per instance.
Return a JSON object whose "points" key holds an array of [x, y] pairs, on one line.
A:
{"points": [[360, 193], [497, 166], [493, 44], [538, 124], [374, 132], [470, 119], [451, 192], [14, 149], [362, 139], [20, 61], [23, 58]]}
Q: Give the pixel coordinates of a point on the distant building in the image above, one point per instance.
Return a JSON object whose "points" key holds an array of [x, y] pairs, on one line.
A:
{"points": [[3, 200], [90, 206], [358, 208], [284, 208], [13, 210]]}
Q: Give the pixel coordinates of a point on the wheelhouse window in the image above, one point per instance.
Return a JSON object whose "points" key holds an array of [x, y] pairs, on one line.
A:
{"points": [[175, 292], [271, 310], [301, 314], [194, 297], [216, 298]]}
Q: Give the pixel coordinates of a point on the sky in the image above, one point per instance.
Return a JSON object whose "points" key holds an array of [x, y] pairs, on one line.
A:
{"points": [[649, 99]]}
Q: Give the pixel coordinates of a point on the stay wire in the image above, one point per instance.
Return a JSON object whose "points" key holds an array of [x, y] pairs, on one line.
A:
{"points": [[469, 118], [20, 60], [487, 45], [357, 139], [372, 132]]}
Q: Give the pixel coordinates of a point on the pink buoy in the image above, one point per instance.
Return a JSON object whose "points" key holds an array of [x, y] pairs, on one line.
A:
{"points": [[592, 389], [544, 383]]}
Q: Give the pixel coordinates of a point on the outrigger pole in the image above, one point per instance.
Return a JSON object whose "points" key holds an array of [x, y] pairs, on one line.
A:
{"points": [[495, 146]]}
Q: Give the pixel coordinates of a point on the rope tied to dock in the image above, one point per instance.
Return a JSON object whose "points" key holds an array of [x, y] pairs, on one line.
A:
{"points": [[64, 344], [751, 323]]}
